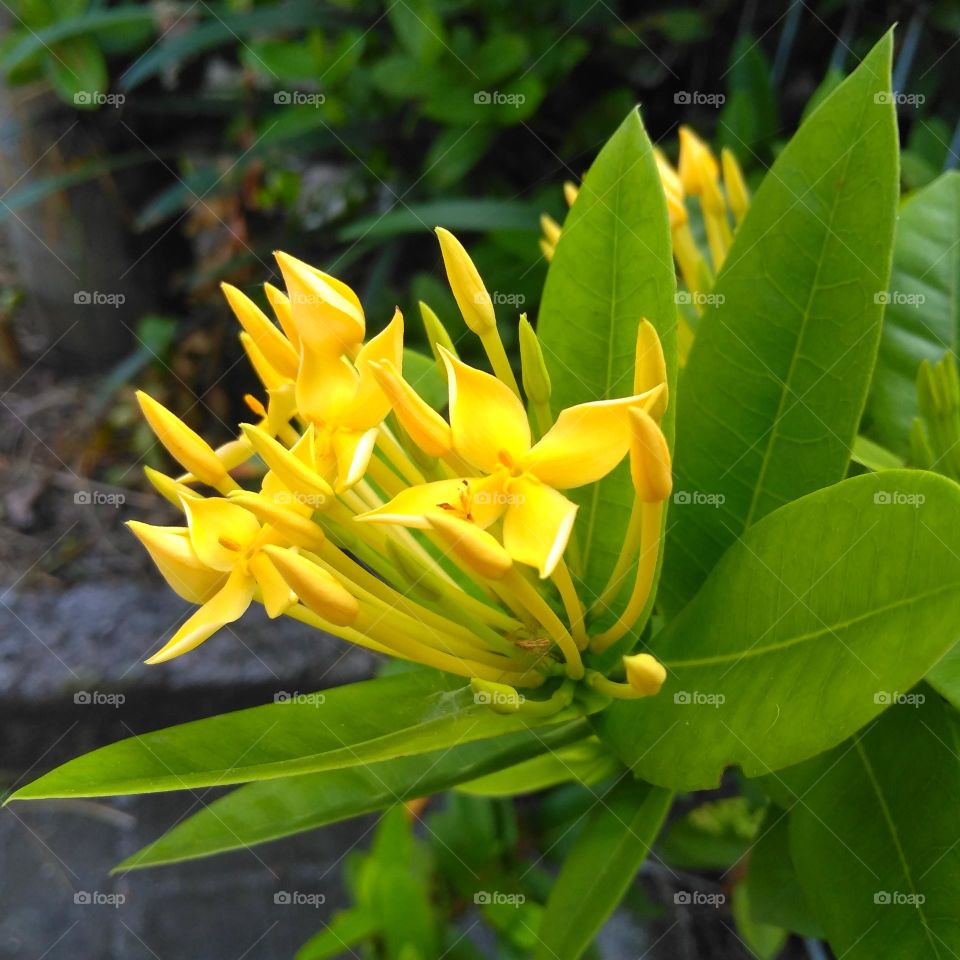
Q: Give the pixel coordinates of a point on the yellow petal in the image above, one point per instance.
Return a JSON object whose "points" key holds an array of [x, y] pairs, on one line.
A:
{"points": [[288, 466], [370, 403], [475, 547], [551, 229], [280, 304], [227, 605], [537, 525], [326, 385], [737, 193], [327, 313], [650, 366], [645, 673], [471, 295], [279, 508], [697, 166], [178, 563], [271, 342], [353, 451], [649, 458], [319, 591], [480, 500], [266, 372], [428, 430], [487, 419], [168, 488], [585, 443], [219, 530], [274, 590], [570, 191], [188, 448], [281, 406]]}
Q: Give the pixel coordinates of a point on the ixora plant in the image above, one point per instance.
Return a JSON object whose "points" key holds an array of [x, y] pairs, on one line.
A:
{"points": [[800, 629]]}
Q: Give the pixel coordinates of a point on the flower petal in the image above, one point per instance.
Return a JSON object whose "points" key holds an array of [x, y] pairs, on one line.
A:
{"points": [[428, 430], [171, 550], [219, 530], [272, 343], [370, 404], [353, 451], [227, 605], [489, 423], [326, 385], [275, 592], [478, 499], [585, 443], [538, 524], [320, 591]]}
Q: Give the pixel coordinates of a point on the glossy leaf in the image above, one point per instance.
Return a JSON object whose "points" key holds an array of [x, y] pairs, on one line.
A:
{"points": [[398, 716], [820, 610], [259, 812], [771, 396], [875, 838], [922, 318], [605, 858], [613, 266]]}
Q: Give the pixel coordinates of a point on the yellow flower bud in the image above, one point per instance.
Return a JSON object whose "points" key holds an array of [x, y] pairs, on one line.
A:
{"points": [[428, 430], [188, 448], [468, 289], [276, 510], [171, 490], [266, 373], [649, 458], [646, 674], [499, 697], [270, 341], [697, 163], [650, 366], [178, 563], [536, 378], [475, 547], [672, 189], [280, 304], [318, 590], [570, 191], [738, 195], [291, 470], [551, 229]]}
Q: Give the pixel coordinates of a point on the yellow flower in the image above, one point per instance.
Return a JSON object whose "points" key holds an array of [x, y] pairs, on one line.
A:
{"points": [[516, 480], [219, 563]]}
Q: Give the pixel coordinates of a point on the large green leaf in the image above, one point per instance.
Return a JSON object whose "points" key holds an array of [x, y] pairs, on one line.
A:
{"points": [[605, 858], [772, 393], [823, 607], [399, 716], [613, 265], [922, 321], [259, 812], [875, 838]]}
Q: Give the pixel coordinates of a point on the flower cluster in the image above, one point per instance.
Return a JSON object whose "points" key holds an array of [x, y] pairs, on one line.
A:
{"points": [[441, 540]]}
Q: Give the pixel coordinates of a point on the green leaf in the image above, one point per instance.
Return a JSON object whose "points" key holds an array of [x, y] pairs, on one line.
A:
{"points": [[775, 384], [345, 930], [77, 70], [798, 631], [776, 897], [422, 374], [452, 213], [613, 265], [764, 940], [749, 116], [418, 28], [601, 866], [259, 812], [875, 837], [398, 716], [922, 319]]}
